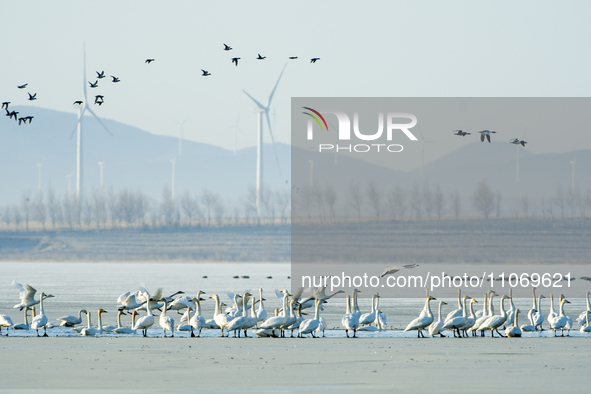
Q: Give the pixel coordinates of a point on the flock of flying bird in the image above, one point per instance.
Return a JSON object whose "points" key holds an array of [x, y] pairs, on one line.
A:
{"points": [[243, 314], [486, 134]]}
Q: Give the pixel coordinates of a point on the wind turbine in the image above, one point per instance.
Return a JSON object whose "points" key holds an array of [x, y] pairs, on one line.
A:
{"points": [[81, 110], [263, 110], [180, 133]]}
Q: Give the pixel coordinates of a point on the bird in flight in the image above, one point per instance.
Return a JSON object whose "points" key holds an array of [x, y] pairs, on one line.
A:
{"points": [[93, 85], [517, 141], [461, 133], [313, 60], [227, 47], [486, 133], [11, 114], [21, 120], [5, 104], [29, 118], [32, 96], [395, 268], [149, 60], [79, 102], [293, 57], [205, 73], [115, 79], [99, 99], [100, 75], [261, 57], [235, 60], [22, 86]]}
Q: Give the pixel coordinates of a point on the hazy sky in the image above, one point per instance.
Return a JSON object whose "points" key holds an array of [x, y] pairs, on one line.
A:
{"points": [[370, 48]]}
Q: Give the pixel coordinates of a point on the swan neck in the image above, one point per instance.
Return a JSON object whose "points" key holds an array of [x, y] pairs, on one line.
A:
{"points": [[588, 304], [118, 319], [503, 313], [439, 316], [317, 312], [26, 316], [198, 310], [100, 322]]}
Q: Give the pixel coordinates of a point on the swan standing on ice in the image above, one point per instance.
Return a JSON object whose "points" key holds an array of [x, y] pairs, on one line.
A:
{"points": [[5, 321], [469, 321], [71, 321], [125, 330], [350, 321], [277, 321], [40, 320], [145, 322], [308, 326], [93, 331], [261, 312], [241, 319], [251, 319], [586, 328], [369, 318], [569, 320], [456, 312], [291, 318], [221, 319], [166, 322], [456, 322], [494, 322], [582, 317], [483, 316], [537, 317], [514, 330], [420, 323], [197, 322], [511, 311], [552, 315], [559, 323], [436, 327]]}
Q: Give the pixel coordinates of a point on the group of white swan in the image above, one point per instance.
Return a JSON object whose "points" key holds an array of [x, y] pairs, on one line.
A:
{"points": [[460, 321], [243, 315]]}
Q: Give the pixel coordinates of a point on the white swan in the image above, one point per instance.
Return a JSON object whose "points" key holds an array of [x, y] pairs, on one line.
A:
{"points": [[71, 321], [569, 320], [470, 320], [456, 312], [511, 311], [186, 317], [94, 331], [145, 322], [261, 312], [125, 330], [166, 322], [299, 320], [5, 321], [40, 320], [309, 325], [420, 323], [221, 319], [534, 307], [583, 316], [586, 327], [25, 325], [529, 327], [514, 330], [369, 318], [456, 322], [552, 315], [350, 321], [251, 319], [494, 322], [537, 317], [291, 317], [559, 322], [241, 318], [483, 315], [197, 322], [27, 295], [436, 327], [278, 321]]}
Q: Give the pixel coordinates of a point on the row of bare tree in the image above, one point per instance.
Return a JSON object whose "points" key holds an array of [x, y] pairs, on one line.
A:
{"points": [[130, 209]]}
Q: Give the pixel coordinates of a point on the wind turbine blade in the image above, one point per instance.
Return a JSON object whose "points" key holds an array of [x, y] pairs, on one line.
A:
{"points": [[84, 73], [98, 120], [273, 91], [273, 141], [76, 127], [261, 106]]}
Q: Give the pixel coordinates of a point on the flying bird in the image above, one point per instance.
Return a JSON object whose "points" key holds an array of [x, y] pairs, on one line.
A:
{"points": [[79, 102], [99, 99], [13, 113], [101, 74], [21, 120], [5, 104], [293, 57], [22, 86], [149, 60], [227, 47], [235, 60], [115, 79], [29, 118], [261, 57], [516, 141], [205, 73], [486, 133], [313, 60], [93, 85], [32, 96], [461, 133], [395, 268]]}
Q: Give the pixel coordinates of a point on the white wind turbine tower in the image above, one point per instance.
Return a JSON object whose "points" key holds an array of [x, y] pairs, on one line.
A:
{"points": [[81, 110], [180, 134], [263, 110]]}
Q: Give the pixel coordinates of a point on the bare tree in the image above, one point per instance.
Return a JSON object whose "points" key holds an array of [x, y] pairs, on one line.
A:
{"points": [[114, 209], [330, 196], [525, 204], [456, 203], [167, 207], [283, 199], [559, 200], [498, 198], [416, 203], [53, 207], [40, 210], [16, 215], [6, 217], [190, 207], [26, 207], [209, 200], [87, 213], [439, 202], [483, 199], [427, 199], [99, 207], [266, 200], [355, 200], [250, 207], [374, 197], [219, 210], [68, 210]]}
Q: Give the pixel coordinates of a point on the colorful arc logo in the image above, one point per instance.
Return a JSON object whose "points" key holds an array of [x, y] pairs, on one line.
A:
{"points": [[315, 118]]}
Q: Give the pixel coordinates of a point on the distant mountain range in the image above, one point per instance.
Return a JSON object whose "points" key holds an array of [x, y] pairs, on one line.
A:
{"points": [[136, 159]]}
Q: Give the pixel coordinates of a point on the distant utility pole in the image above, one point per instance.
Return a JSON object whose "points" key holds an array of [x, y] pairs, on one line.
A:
{"points": [[173, 161]]}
